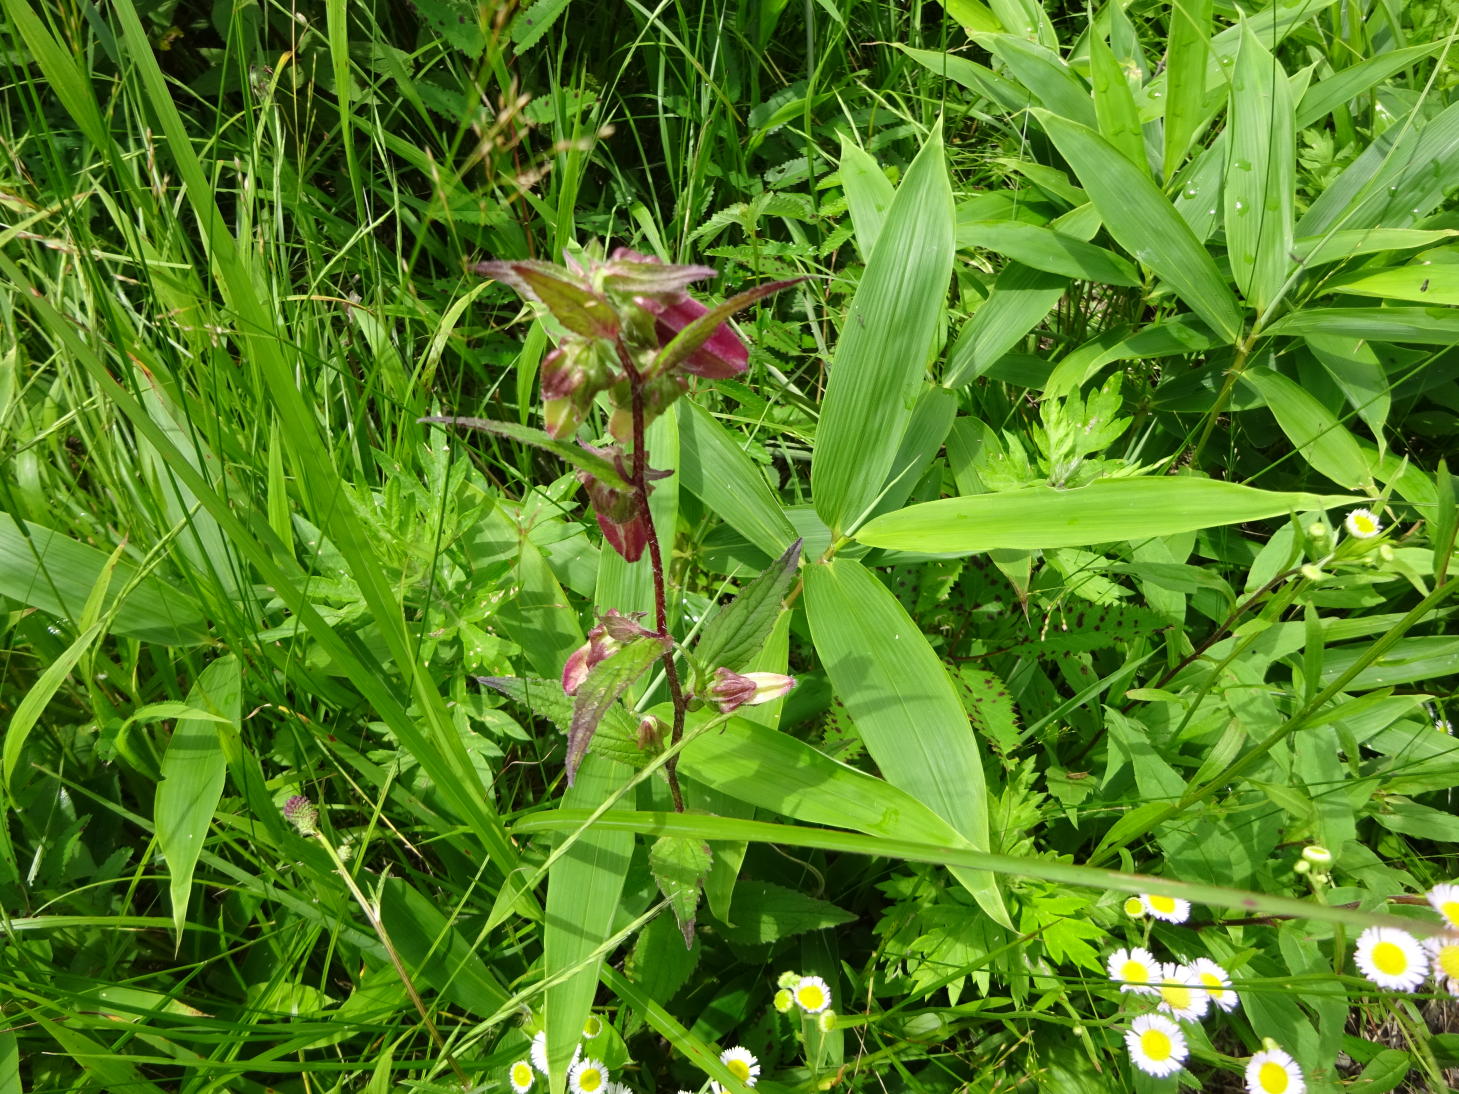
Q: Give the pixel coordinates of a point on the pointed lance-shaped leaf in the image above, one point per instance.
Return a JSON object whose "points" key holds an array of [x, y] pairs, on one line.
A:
{"points": [[599, 468]]}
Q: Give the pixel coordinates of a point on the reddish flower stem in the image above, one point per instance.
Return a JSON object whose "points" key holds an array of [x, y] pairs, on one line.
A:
{"points": [[638, 479]]}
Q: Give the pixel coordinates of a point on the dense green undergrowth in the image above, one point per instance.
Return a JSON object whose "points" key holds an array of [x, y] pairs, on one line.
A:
{"points": [[1110, 413]]}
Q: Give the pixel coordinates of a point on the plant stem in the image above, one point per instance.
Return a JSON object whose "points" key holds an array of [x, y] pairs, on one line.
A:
{"points": [[639, 480]]}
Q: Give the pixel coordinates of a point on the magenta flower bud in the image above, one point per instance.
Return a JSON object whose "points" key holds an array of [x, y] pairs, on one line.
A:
{"points": [[732, 690], [604, 640]]}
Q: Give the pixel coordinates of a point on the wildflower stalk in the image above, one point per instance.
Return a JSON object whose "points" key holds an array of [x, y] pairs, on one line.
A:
{"points": [[639, 481]]}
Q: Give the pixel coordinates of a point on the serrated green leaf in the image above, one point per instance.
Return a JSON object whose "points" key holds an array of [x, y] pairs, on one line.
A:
{"points": [[765, 912], [736, 631], [617, 734], [679, 865], [1107, 511]]}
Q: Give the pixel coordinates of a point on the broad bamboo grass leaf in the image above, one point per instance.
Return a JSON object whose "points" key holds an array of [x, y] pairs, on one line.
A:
{"points": [[868, 191], [1314, 431], [716, 470], [1117, 116], [579, 457], [1345, 85], [1053, 252], [1400, 177], [1020, 299], [1260, 175], [1425, 326], [973, 16], [904, 705], [584, 887], [44, 569], [715, 829], [885, 343], [438, 746], [1419, 282], [737, 631], [193, 771], [436, 951], [1355, 368], [1143, 222], [1043, 72], [931, 421], [1107, 511], [753, 763], [1340, 246], [1173, 337], [102, 1062], [1187, 59], [973, 76]]}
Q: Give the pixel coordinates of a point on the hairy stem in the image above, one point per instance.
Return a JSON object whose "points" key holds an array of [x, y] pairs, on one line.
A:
{"points": [[638, 478]]}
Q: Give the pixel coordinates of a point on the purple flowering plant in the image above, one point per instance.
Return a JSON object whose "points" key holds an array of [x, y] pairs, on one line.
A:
{"points": [[629, 338]]}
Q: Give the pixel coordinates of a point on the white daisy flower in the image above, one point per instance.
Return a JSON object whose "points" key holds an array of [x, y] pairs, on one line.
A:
{"points": [[813, 994], [522, 1077], [1156, 1045], [742, 1064], [618, 1088], [1444, 952], [1181, 995], [1391, 958], [588, 1077], [1445, 899], [1135, 970], [1272, 1071], [1362, 524], [1172, 909], [1443, 725], [539, 1051], [1214, 980]]}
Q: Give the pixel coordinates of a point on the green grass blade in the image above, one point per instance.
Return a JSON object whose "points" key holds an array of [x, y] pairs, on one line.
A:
{"points": [[583, 890], [901, 699], [1107, 511], [1260, 175], [886, 339], [193, 772], [1144, 223]]}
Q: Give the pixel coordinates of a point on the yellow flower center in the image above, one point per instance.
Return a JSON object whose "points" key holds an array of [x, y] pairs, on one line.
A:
{"points": [[1365, 526], [739, 1069], [811, 997], [1133, 907], [1272, 1077], [593, 1026], [1135, 972], [590, 1078], [1448, 961], [522, 1073], [1389, 958], [1157, 1044], [1177, 995], [1450, 911], [1164, 904]]}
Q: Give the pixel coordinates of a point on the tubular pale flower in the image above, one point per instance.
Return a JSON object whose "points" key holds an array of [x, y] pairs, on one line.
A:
{"points": [[732, 690]]}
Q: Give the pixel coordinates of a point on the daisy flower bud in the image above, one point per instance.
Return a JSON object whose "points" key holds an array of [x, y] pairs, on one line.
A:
{"points": [[1317, 855], [784, 1000], [826, 1021], [1134, 907]]}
